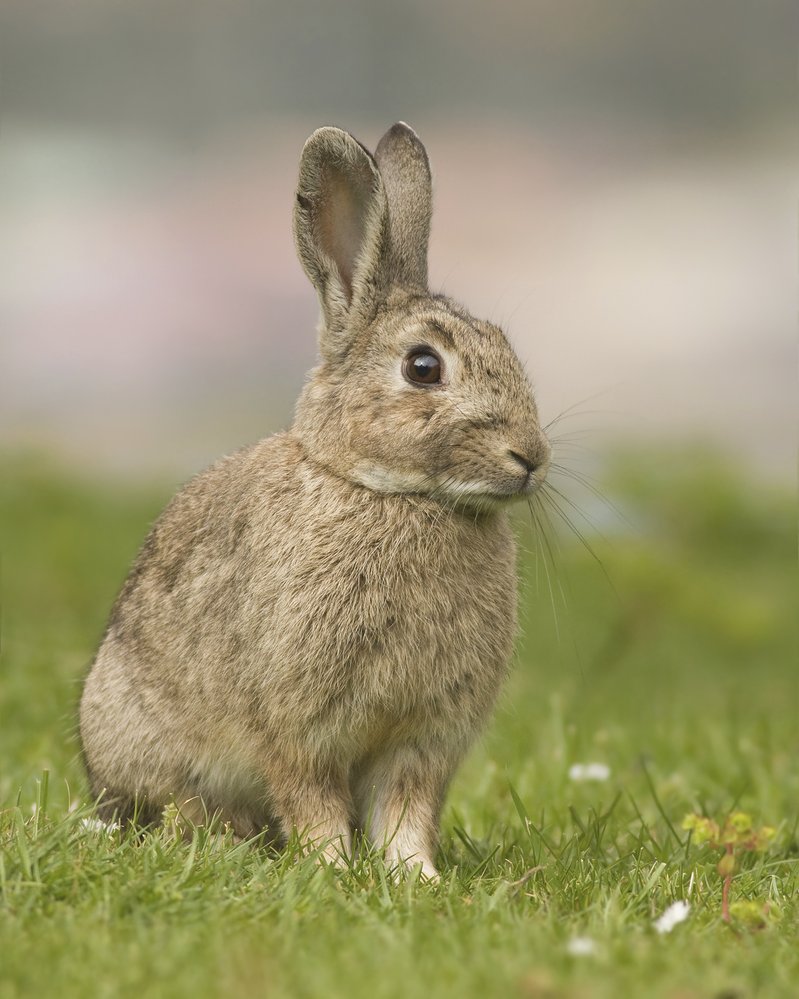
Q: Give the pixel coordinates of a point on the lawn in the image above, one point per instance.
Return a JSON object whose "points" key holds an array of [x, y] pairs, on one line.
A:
{"points": [[668, 653]]}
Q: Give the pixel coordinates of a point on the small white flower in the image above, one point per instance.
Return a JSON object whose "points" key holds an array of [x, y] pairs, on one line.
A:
{"points": [[676, 913], [589, 771], [97, 825], [581, 947]]}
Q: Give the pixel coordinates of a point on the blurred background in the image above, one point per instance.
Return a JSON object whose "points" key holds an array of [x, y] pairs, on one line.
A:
{"points": [[613, 184]]}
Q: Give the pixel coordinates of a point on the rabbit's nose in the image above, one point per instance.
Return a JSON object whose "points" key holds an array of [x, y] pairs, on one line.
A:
{"points": [[528, 464], [532, 453]]}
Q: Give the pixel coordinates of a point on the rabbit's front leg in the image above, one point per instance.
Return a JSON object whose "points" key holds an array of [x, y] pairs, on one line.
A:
{"points": [[399, 797], [313, 800]]}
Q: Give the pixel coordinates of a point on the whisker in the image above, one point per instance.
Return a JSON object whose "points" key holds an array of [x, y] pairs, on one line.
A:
{"points": [[580, 536], [560, 443], [542, 536], [583, 412], [546, 494], [578, 511], [584, 480], [576, 432], [537, 529], [550, 539], [570, 411]]}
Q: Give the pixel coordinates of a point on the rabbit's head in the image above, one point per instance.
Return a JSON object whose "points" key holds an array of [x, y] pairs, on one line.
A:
{"points": [[413, 394]]}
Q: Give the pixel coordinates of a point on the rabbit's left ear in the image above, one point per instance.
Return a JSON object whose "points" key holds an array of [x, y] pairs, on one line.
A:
{"points": [[405, 169], [341, 230]]}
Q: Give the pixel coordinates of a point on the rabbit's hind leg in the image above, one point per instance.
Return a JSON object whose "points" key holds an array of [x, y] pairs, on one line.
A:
{"points": [[126, 810], [196, 811]]}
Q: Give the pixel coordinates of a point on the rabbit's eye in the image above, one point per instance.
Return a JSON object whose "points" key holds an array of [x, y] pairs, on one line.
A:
{"points": [[422, 367]]}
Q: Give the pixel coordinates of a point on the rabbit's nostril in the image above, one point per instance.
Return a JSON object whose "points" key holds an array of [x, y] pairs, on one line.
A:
{"points": [[529, 466]]}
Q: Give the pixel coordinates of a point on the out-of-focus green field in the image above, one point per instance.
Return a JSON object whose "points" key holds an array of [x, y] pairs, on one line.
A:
{"points": [[674, 663]]}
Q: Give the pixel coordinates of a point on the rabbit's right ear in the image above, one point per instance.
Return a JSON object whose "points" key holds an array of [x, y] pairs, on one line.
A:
{"points": [[341, 231]]}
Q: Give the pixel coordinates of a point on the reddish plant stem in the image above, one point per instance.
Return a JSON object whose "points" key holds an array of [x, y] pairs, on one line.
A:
{"points": [[725, 891]]}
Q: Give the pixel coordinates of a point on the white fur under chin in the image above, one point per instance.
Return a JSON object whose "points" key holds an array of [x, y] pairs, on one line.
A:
{"points": [[380, 479]]}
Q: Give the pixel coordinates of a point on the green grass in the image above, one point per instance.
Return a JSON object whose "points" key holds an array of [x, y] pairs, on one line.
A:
{"points": [[674, 663]]}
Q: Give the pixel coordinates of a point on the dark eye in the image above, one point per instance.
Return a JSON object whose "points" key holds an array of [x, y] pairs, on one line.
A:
{"points": [[422, 367]]}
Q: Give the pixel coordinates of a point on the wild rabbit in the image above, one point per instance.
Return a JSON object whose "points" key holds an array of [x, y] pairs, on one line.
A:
{"points": [[317, 626]]}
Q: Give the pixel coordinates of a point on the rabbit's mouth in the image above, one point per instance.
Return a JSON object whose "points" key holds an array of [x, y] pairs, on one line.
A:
{"points": [[486, 494], [516, 477]]}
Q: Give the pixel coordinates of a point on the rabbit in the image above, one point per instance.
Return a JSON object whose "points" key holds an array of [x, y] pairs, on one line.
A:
{"points": [[317, 626]]}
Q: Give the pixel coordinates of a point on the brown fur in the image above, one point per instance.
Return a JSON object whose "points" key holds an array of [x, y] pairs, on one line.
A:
{"points": [[318, 626]]}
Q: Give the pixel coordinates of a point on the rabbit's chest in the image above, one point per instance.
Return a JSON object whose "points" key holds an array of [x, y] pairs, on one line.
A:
{"points": [[390, 637]]}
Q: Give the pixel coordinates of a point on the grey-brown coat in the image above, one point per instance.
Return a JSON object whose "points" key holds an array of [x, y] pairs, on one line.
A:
{"points": [[317, 626]]}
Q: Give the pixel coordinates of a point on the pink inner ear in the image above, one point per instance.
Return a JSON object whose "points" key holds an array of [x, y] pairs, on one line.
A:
{"points": [[342, 219]]}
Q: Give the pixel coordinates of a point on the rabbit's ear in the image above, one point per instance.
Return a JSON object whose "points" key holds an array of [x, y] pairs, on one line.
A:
{"points": [[405, 170], [341, 227]]}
